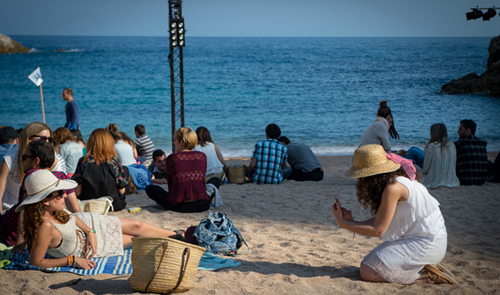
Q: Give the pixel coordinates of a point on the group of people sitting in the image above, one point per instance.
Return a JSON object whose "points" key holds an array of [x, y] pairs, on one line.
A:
{"points": [[405, 215], [441, 163]]}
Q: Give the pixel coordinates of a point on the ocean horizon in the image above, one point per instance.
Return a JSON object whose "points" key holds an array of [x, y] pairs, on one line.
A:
{"points": [[321, 91]]}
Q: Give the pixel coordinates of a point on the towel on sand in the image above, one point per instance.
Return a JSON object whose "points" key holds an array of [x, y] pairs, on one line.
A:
{"points": [[117, 265]]}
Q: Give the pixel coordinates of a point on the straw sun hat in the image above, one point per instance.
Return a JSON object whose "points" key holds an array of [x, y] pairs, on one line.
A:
{"points": [[369, 160], [41, 184]]}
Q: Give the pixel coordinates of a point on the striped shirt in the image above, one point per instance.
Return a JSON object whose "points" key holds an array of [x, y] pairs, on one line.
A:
{"points": [[9, 221], [145, 147]]}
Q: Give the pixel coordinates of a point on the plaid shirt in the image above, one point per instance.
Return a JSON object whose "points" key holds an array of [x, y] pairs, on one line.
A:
{"points": [[270, 155], [472, 160]]}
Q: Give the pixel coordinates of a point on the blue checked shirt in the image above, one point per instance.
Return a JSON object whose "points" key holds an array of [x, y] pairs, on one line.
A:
{"points": [[472, 161], [270, 155]]}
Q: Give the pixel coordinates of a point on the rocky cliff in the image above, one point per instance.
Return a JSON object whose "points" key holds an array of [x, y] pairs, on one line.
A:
{"points": [[7, 45], [488, 82]]}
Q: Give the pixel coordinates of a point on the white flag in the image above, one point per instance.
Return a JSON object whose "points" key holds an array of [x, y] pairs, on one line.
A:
{"points": [[36, 77]]}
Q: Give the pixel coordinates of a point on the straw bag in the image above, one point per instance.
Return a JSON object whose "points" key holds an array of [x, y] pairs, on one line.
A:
{"points": [[163, 265], [98, 206], [236, 174]]}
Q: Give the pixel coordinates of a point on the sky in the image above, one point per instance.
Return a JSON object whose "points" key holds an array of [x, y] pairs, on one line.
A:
{"points": [[248, 18]]}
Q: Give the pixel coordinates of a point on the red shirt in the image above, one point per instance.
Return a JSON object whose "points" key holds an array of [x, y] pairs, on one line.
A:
{"points": [[186, 177]]}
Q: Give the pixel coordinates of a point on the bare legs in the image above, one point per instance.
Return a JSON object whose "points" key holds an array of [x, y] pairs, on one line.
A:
{"points": [[135, 228], [370, 275]]}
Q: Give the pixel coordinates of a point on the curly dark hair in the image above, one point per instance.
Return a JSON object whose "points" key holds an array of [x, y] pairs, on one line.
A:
{"points": [[370, 189], [33, 219]]}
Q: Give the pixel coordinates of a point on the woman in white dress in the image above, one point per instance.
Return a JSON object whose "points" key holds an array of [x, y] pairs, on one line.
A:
{"points": [[47, 228], [216, 166], [405, 215]]}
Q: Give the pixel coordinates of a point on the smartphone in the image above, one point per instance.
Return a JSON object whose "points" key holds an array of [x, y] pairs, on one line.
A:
{"points": [[337, 203]]}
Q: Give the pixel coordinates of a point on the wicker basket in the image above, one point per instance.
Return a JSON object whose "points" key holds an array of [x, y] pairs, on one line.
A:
{"points": [[163, 265], [237, 174], [98, 206]]}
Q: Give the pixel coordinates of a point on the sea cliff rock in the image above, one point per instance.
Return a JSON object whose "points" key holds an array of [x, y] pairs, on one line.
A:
{"points": [[7, 45], [488, 82]]}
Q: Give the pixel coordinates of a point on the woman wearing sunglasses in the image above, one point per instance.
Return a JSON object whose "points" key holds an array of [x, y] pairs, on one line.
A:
{"points": [[70, 239], [11, 168]]}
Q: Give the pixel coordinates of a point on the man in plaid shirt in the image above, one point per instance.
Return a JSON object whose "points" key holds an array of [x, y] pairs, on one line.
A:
{"points": [[268, 162], [472, 158]]}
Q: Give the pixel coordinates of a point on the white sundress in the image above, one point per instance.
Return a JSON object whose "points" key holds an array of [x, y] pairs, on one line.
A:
{"points": [[108, 231], [416, 237]]}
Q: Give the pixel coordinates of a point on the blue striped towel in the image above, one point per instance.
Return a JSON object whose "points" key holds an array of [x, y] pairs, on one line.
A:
{"points": [[116, 265]]}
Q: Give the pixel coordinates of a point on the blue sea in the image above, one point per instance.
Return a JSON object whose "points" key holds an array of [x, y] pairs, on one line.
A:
{"points": [[321, 91]]}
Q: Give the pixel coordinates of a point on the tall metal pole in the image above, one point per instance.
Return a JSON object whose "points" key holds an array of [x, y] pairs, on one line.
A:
{"points": [[177, 42]]}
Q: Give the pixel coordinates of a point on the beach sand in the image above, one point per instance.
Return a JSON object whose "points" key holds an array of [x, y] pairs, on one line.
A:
{"points": [[297, 247]]}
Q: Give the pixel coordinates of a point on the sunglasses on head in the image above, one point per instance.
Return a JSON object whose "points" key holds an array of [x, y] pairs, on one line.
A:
{"points": [[43, 138], [24, 157]]}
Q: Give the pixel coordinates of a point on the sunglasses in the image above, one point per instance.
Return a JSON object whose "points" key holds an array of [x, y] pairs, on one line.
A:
{"points": [[58, 195], [43, 138], [24, 157]]}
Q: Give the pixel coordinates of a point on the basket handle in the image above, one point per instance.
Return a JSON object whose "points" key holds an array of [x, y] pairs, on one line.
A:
{"points": [[183, 266], [186, 254]]}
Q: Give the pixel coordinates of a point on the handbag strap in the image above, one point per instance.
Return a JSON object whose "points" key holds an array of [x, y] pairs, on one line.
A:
{"points": [[186, 254], [183, 266]]}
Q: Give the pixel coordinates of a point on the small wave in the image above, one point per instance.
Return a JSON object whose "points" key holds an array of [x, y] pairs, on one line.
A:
{"points": [[71, 50], [34, 50]]}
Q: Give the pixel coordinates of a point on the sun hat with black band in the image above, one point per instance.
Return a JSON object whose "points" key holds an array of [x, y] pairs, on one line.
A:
{"points": [[369, 160], [43, 183]]}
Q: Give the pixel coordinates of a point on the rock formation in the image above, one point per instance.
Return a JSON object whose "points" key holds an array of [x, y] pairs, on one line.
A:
{"points": [[7, 45], [488, 82]]}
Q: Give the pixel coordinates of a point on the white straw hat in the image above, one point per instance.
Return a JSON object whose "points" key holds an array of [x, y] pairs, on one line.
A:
{"points": [[41, 184], [369, 160]]}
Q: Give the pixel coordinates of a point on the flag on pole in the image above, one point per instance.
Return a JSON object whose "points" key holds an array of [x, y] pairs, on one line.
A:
{"points": [[36, 77]]}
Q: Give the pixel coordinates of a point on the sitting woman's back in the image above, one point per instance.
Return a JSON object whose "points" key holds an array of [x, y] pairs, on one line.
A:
{"points": [[215, 161], [99, 173], [440, 160], [124, 151], [69, 149]]}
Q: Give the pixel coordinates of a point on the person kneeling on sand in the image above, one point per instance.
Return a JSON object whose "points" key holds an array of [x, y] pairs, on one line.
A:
{"points": [[406, 216], [47, 228]]}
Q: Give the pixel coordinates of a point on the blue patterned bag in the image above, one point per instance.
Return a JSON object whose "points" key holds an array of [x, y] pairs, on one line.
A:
{"points": [[218, 234]]}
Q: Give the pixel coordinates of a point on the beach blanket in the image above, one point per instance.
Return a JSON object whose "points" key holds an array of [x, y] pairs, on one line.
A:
{"points": [[117, 265]]}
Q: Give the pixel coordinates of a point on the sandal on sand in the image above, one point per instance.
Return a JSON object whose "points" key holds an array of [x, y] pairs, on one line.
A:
{"points": [[442, 268], [179, 235], [439, 276]]}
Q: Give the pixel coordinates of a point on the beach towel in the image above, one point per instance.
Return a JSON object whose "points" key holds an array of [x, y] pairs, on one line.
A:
{"points": [[116, 265], [5, 255]]}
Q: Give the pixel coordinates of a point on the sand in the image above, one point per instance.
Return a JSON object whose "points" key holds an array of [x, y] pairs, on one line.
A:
{"points": [[297, 248]]}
